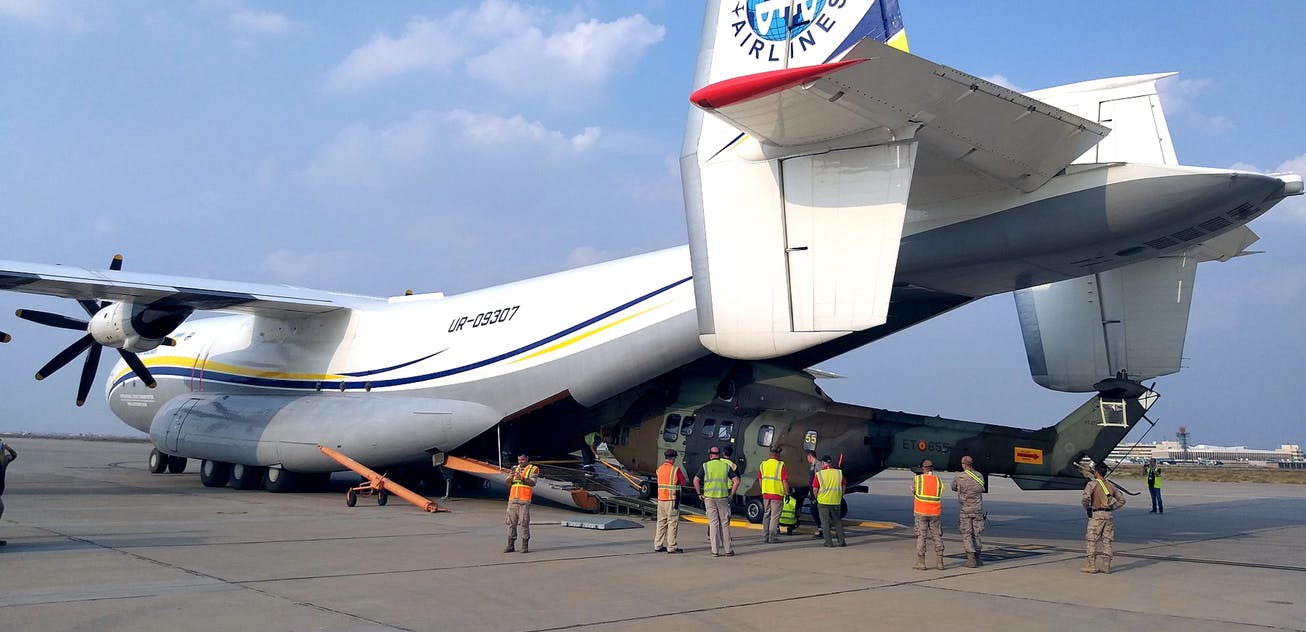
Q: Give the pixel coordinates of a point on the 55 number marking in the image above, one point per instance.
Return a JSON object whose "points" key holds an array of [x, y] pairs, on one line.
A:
{"points": [[484, 319]]}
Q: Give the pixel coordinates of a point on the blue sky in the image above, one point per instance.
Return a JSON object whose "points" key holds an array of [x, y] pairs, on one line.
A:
{"points": [[390, 146]]}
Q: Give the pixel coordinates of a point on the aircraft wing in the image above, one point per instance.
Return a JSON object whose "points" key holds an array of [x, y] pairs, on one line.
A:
{"points": [[165, 290], [965, 123]]}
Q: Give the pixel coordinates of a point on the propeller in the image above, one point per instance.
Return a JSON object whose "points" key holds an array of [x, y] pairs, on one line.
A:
{"points": [[92, 362], [4, 337]]}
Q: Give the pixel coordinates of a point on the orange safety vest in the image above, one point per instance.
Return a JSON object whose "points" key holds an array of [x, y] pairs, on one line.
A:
{"points": [[668, 487], [929, 495], [522, 491]]}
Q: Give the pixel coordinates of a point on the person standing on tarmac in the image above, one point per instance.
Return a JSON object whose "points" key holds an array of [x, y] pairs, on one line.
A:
{"points": [[775, 486], [521, 485], [814, 468], [970, 489], [1100, 498], [7, 454], [1153, 474], [828, 487], [670, 480], [927, 510], [716, 483]]}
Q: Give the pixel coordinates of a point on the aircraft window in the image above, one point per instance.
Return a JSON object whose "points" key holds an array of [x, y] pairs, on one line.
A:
{"points": [[726, 430], [687, 426], [673, 426], [709, 428], [765, 435]]}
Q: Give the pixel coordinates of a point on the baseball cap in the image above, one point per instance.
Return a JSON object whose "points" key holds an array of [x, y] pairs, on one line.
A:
{"points": [[827, 459], [670, 452], [714, 450]]}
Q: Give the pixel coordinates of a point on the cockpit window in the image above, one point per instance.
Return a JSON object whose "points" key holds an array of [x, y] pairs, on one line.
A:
{"points": [[709, 428], [726, 430], [686, 427], [671, 428], [765, 435]]}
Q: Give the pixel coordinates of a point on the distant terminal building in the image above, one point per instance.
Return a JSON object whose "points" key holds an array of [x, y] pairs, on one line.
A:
{"points": [[1171, 450]]}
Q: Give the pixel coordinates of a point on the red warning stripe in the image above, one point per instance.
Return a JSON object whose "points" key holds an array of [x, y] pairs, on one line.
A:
{"points": [[749, 87]]}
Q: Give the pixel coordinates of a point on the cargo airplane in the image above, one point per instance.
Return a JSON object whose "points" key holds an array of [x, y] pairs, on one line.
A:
{"points": [[837, 189]]}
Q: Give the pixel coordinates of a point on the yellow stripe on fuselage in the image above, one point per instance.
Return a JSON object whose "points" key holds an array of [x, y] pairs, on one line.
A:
{"points": [[183, 362], [580, 337]]}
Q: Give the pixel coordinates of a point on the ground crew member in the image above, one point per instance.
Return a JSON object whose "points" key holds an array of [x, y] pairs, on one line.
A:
{"points": [[1154, 485], [1100, 498], [927, 513], [775, 486], [589, 450], [828, 486], [670, 479], [970, 489], [521, 485], [814, 468], [7, 454], [789, 515], [716, 483]]}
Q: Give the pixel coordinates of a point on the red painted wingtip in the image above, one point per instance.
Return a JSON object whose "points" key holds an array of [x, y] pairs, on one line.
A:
{"points": [[748, 87]]}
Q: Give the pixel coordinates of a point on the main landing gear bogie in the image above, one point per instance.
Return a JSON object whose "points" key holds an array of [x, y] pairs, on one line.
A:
{"points": [[159, 463]]}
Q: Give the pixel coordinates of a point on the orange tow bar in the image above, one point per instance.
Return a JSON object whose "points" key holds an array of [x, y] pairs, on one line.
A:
{"points": [[377, 484]]}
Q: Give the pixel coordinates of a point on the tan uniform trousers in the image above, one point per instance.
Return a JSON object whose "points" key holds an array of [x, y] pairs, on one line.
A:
{"points": [[718, 525], [519, 518], [1102, 526], [931, 526], [668, 525], [771, 508], [972, 525]]}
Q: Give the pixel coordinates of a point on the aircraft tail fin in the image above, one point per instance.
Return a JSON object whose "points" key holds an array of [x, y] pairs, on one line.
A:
{"points": [[1051, 460], [802, 247]]}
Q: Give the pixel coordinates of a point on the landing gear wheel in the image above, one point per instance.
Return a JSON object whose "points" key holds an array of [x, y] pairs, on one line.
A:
{"points": [[754, 510], [214, 473], [646, 489], [351, 498], [158, 461], [176, 464], [279, 481], [246, 476], [382, 498], [843, 509]]}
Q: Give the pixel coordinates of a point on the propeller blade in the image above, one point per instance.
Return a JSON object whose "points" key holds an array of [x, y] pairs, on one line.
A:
{"points": [[92, 307], [88, 373], [4, 337], [51, 320], [168, 341], [116, 263], [65, 356], [135, 363]]}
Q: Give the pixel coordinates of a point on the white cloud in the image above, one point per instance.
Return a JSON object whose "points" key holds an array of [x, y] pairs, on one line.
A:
{"points": [[290, 266], [265, 22], [363, 156], [45, 13], [1003, 81], [1293, 207], [566, 65], [425, 45], [1177, 96]]}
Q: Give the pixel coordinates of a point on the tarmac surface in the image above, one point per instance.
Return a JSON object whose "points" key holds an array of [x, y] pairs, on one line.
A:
{"points": [[98, 543]]}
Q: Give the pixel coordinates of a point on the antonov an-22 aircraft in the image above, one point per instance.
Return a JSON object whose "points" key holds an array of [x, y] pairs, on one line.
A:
{"points": [[837, 189]]}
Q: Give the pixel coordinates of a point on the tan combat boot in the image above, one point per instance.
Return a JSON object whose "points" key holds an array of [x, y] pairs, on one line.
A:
{"points": [[1106, 566], [970, 561], [938, 561], [920, 563], [1090, 566], [526, 546], [510, 548]]}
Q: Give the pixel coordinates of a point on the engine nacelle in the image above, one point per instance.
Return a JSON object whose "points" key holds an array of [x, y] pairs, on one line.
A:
{"points": [[284, 430], [135, 328]]}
